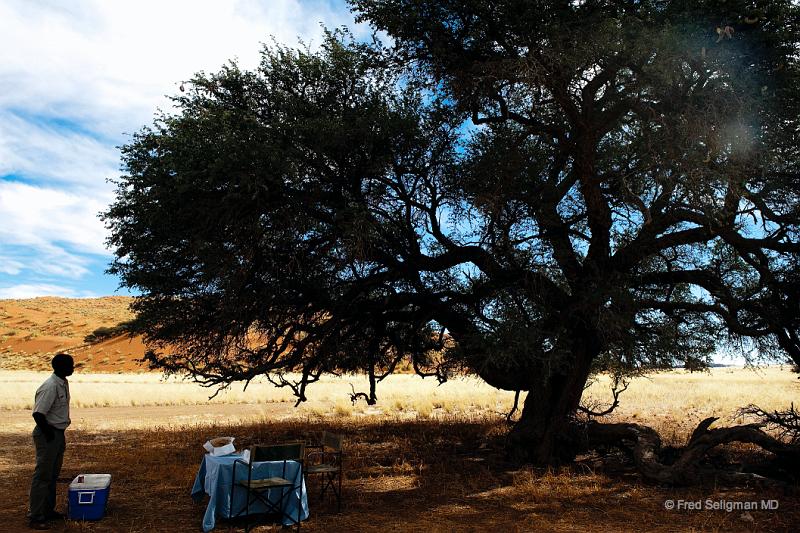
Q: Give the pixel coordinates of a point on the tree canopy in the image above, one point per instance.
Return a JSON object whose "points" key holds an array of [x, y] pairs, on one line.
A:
{"points": [[528, 191]]}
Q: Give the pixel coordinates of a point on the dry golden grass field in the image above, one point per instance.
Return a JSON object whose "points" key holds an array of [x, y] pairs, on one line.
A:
{"points": [[426, 458]]}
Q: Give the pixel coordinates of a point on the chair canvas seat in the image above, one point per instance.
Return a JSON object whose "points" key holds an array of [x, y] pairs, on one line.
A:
{"points": [[265, 482], [320, 469]]}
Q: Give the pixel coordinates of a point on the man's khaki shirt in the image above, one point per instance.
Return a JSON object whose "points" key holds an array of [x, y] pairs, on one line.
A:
{"points": [[52, 400]]}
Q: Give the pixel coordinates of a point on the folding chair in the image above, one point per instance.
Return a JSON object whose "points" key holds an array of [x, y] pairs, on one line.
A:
{"points": [[259, 489], [327, 461]]}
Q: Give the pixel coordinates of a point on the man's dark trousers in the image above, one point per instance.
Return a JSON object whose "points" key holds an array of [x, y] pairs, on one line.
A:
{"points": [[49, 456]]}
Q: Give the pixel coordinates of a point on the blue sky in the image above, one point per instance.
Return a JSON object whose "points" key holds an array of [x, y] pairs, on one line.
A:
{"points": [[76, 79]]}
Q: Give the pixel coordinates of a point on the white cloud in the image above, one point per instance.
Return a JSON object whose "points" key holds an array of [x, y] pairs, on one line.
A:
{"points": [[76, 76], [43, 152], [10, 266], [41, 289], [45, 231], [39, 216], [112, 62]]}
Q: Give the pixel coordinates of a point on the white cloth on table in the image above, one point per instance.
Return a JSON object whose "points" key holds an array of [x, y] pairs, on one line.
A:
{"points": [[215, 478]]}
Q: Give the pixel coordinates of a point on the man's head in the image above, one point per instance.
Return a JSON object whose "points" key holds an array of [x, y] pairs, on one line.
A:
{"points": [[63, 365]]}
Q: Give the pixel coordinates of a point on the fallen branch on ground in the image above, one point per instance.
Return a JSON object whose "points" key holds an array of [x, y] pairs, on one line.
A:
{"points": [[683, 466]]}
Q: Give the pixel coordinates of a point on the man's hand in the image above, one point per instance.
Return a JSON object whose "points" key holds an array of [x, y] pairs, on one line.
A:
{"points": [[47, 429]]}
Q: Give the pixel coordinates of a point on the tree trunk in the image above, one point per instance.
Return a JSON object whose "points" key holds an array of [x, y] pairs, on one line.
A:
{"points": [[543, 434]]}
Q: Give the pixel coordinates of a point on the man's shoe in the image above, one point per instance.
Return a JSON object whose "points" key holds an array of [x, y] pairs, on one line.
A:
{"points": [[54, 515], [38, 524]]}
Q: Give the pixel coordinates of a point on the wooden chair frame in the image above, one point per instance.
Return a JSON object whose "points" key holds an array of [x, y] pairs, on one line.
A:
{"points": [[259, 489]]}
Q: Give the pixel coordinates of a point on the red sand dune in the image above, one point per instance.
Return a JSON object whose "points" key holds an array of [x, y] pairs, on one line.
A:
{"points": [[32, 330]]}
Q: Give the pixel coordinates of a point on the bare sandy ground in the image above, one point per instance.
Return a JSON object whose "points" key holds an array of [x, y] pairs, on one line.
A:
{"points": [[149, 417]]}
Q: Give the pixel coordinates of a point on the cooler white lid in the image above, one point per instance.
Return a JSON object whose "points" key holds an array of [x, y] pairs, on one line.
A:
{"points": [[91, 482]]}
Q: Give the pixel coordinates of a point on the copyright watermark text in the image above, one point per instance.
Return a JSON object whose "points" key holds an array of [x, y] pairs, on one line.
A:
{"points": [[721, 505]]}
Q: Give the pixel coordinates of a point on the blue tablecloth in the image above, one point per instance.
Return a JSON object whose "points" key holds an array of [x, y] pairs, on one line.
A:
{"points": [[215, 477]]}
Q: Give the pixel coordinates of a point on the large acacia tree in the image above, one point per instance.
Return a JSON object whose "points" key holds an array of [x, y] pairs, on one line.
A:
{"points": [[528, 191]]}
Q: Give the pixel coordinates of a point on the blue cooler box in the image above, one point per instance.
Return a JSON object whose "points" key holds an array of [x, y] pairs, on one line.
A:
{"points": [[88, 496]]}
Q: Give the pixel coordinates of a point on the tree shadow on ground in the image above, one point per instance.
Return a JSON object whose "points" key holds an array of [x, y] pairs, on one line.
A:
{"points": [[423, 475]]}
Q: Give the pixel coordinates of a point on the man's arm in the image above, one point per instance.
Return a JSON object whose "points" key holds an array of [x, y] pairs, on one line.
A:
{"points": [[46, 428], [45, 397]]}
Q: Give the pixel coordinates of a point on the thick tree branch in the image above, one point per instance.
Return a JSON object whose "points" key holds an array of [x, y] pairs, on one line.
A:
{"points": [[686, 468]]}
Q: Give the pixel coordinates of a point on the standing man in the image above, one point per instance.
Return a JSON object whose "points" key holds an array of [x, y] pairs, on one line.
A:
{"points": [[51, 413]]}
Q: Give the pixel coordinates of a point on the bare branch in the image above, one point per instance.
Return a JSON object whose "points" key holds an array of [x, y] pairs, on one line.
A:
{"points": [[616, 391], [514, 407], [785, 423]]}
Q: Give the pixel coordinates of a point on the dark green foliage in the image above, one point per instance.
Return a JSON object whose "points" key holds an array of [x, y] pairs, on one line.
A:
{"points": [[531, 191], [248, 220], [645, 143]]}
